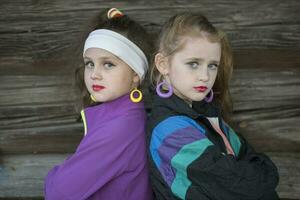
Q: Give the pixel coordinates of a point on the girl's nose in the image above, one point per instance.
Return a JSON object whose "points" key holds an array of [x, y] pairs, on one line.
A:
{"points": [[203, 74], [97, 73]]}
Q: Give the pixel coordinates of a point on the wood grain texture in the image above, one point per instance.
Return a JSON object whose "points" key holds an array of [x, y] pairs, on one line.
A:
{"points": [[23, 175], [40, 43], [28, 95], [37, 112], [34, 31]]}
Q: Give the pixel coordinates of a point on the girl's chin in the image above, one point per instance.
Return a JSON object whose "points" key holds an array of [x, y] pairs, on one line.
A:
{"points": [[99, 97], [196, 97]]}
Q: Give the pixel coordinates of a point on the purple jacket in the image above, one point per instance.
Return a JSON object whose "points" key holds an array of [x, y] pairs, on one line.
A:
{"points": [[110, 161]]}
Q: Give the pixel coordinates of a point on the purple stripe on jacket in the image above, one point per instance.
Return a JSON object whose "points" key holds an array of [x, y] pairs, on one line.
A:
{"points": [[187, 135]]}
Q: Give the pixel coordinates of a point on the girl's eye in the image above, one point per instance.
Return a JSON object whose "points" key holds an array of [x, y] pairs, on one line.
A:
{"points": [[108, 65], [193, 65], [89, 64], [213, 66]]}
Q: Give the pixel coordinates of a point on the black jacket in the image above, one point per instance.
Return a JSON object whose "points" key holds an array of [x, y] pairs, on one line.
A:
{"points": [[212, 173]]}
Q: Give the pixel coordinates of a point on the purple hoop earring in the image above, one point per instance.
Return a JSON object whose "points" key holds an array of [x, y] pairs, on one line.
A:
{"points": [[161, 94], [210, 98]]}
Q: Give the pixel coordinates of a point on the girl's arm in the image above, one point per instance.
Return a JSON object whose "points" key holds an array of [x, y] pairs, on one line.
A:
{"points": [[225, 177], [101, 156], [174, 144], [194, 168]]}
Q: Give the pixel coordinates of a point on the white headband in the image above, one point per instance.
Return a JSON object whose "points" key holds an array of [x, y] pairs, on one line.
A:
{"points": [[120, 46]]}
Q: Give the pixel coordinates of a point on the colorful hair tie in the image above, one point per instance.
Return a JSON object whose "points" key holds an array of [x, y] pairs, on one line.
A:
{"points": [[114, 13]]}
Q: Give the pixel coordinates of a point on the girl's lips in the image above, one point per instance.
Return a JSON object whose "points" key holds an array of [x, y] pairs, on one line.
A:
{"points": [[97, 88], [201, 88]]}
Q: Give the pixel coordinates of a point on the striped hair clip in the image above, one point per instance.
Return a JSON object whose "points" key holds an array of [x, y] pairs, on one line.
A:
{"points": [[114, 13]]}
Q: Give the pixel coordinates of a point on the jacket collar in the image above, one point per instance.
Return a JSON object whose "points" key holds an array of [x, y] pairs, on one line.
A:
{"points": [[116, 107], [176, 106]]}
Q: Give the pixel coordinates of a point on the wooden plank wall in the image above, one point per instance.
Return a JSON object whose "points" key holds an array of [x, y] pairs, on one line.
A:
{"points": [[38, 41]]}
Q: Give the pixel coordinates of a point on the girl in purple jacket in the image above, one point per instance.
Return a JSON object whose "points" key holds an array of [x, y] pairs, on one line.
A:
{"points": [[110, 161]]}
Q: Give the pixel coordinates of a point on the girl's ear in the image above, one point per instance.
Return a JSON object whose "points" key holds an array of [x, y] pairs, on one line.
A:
{"points": [[136, 78], [161, 63]]}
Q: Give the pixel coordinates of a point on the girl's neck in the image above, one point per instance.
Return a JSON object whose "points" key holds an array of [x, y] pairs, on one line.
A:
{"points": [[179, 95]]}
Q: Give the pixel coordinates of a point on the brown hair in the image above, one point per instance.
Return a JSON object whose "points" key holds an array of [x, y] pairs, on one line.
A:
{"points": [[196, 25], [122, 25]]}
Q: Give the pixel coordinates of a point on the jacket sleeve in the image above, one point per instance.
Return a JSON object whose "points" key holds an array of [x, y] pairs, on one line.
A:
{"points": [[194, 168], [175, 143], [101, 156], [225, 177]]}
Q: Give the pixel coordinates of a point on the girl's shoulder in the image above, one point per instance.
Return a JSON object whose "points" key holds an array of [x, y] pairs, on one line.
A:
{"points": [[177, 123], [127, 123]]}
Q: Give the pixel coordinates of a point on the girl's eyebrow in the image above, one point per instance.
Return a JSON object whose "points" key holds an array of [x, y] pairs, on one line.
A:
{"points": [[201, 60], [215, 61], [194, 58]]}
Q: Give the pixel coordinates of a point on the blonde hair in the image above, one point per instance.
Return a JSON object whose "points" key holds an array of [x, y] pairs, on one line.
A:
{"points": [[196, 25]]}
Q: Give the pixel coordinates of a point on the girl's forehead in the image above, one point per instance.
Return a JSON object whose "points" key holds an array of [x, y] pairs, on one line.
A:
{"points": [[199, 47], [202, 36], [199, 43], [181, 40]]}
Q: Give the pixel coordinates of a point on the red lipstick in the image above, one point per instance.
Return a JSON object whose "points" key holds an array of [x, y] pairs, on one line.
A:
{"points": [[201, 88], [97, 88]]}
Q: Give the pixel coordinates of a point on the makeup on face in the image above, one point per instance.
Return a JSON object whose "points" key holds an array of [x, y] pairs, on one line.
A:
{"points": [[193, 69], [97, 88], [106, 76], [200, 88]]}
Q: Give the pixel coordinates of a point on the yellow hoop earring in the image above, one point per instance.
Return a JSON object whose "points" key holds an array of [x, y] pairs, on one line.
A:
{"points": [[139, 98], [93, 98]]}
